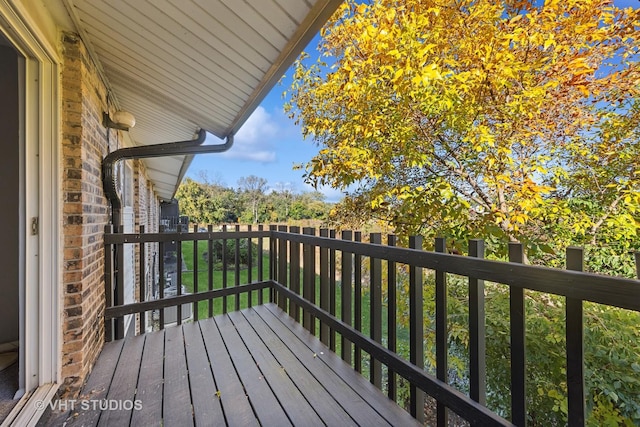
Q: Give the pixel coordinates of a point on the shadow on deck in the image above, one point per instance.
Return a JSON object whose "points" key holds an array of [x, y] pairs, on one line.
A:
{"points": [[252, 367]]}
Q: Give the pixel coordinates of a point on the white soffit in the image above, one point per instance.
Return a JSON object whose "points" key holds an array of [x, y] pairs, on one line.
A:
{"points": [[182, 65]]}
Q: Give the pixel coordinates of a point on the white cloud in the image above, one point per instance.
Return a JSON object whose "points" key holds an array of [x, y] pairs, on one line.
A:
{"points": [[253, 140]]}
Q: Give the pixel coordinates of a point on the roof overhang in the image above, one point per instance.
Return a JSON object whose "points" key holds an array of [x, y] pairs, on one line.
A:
{"points": [[181, 66]]}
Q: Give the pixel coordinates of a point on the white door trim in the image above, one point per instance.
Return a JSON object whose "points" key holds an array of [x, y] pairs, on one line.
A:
{"points": [[41, 330]]}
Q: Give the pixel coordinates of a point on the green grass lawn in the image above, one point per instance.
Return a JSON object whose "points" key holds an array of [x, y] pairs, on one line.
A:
{"points": [[188, 279]]}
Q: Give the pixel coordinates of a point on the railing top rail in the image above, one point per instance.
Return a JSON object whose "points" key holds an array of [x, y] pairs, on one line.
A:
{"points": [[609, 290], [181, 236]]}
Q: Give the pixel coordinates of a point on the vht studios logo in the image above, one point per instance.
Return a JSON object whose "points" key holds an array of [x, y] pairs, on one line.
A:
{"points": [[90, 404]]}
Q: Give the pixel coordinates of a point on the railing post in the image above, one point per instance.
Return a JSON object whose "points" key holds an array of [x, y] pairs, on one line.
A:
{"points": [[179, 276], [346, 297], [282, 267], [236, 276], [575, 347], [391, 318], [294, 273], [260, 264], [260, 260], [477, 331], [416, 330], [309, 280], [249, 259], [636, 255], [357, 301], [442, 337], [224, 269], [273, 261], [210, 267], [142, 285], [108, 283], [195, 272], [324, 287], [119, 296], [375, 311], [518, 352], [332, 289], [162, 277]]}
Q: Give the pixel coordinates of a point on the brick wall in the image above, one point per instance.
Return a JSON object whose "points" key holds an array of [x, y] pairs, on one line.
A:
{"points": [[85, 142]]}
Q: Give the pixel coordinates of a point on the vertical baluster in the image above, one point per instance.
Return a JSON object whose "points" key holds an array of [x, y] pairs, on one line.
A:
{"points": [[575, 346], [282, 267], [260, 265], [332, 289], [357, 301], [143, 281], [108, 283], [375, 309], [260, 261], [210, 267], [162, 276], [313, 291], [636, 255], [308, 280], [442, 337], [236, 277], [249, 266], [392, 390], [224, 268], [179, 276], [416, 330], [294, 273], [273, 257], [518, 355], [477, 332], [119, 297], [195, 272], [346, 297], [324, 286]]}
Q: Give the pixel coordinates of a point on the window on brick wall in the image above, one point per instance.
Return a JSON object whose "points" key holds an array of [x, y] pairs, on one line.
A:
{"points": [[127, 185]]}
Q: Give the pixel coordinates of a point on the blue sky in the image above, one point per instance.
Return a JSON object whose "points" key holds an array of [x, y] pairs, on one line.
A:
{"points": [[269, 144]]}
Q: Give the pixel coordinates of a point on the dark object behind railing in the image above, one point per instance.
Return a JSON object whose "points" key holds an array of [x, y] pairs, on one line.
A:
{"points": [[295, 257]]}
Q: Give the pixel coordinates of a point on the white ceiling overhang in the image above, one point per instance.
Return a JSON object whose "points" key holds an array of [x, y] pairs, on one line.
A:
{"points": [[183, 65]]}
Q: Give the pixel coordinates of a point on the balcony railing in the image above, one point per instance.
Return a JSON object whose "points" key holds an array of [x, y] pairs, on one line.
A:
{"points": [[319, 279]]}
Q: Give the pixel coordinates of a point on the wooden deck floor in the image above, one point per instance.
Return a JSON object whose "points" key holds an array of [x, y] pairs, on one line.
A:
{"points": [[253, 367]]}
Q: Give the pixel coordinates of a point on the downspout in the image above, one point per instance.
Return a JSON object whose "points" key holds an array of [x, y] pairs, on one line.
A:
{"points": [[181, 148], [190, 147]]}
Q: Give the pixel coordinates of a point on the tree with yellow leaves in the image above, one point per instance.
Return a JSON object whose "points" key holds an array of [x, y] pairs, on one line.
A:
{"points": [[479, 118], [503, 120]]}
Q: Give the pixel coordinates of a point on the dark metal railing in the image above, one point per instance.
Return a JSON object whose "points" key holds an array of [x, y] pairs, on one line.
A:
{"points": [[318, 280]]}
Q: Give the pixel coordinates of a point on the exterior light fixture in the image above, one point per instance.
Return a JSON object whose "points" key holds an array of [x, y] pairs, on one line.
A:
{"points": [[121, 120]]}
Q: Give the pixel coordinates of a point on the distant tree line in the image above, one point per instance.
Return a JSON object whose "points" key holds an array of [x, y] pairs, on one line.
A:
{"points": [[252, 201]]}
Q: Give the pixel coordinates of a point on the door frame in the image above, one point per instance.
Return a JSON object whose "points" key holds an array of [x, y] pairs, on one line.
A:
{"points": [[40, 335]]}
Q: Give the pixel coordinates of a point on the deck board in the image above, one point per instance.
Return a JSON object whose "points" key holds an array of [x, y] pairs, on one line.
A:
{"points": [[356, 406], [98, 383], [358, 383], [235, 404], [150, 382], [318, 396], [252, 367], [123, 385], [264, 402], [207, 409], [176, 409], [300, 412]]}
